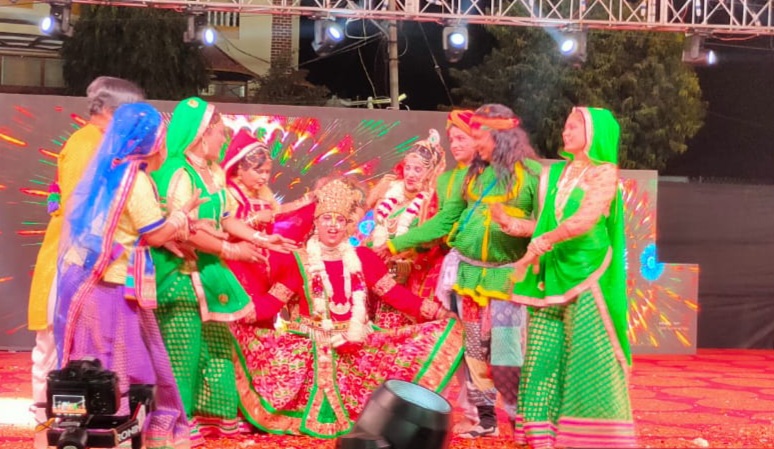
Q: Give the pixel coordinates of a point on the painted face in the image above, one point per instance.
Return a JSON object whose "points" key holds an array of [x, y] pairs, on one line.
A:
{"points": [[574, 134], [484, 143], [213, 140], [255, 178], [414, 172], [462, 146], [331, 228]]}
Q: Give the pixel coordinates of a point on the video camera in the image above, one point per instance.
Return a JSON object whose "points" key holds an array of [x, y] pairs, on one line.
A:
{"points": [[83, 399]]}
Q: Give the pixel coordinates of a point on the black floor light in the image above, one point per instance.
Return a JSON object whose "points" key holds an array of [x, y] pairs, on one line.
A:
{"points": [[401, 415]]}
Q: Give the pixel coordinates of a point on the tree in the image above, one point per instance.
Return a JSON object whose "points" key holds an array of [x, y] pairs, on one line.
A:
{"points": [[144, 45], [638, 76], [283, 84]]}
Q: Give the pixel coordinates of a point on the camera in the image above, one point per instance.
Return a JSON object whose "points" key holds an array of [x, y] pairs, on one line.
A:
{"points": [[82, 401]]}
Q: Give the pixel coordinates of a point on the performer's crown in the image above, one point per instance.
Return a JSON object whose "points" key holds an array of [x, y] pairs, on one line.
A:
{"points": [[337, 196]]}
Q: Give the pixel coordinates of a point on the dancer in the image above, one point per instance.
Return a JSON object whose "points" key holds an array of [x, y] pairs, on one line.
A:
{"points": [[402, 203], [107, 278], [104, 95], [505, 173], [315, 376], [450, 205], [247, 164], [575, 384], [198, 294]]}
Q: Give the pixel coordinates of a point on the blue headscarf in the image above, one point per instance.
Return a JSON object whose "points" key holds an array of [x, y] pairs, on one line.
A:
{"points": [[128, 141]]}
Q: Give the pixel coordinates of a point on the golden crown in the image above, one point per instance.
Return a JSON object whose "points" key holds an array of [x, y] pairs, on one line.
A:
{"points": [[337, 196]]}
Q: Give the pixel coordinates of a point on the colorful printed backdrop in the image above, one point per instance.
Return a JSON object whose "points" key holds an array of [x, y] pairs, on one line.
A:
{"points": [[306, 144]]}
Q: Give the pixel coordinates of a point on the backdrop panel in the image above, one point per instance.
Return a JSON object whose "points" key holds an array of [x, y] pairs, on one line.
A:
{"points": [[727, 229]]}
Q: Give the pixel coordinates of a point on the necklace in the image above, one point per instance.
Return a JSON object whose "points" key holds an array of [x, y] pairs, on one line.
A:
{"points": [[250, 193], [386, 223], [197, 161], [330, 253], [321, 290]]}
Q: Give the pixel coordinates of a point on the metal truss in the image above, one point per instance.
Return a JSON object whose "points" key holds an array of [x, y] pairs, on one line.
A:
{"points": [[710, 17]]}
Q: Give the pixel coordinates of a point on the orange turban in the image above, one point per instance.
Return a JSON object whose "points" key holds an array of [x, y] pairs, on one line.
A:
{"points": [[461, 119]]}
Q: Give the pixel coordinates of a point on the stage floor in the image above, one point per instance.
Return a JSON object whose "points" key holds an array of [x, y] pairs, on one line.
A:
{"points": [[716, 398]]}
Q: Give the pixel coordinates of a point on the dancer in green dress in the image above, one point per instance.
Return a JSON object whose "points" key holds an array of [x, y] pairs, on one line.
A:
{"points": [[575, 380], [198, 294]]}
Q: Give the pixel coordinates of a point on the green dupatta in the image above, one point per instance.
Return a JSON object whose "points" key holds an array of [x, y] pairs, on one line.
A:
{"points": [[574, 265], [226, 300]]}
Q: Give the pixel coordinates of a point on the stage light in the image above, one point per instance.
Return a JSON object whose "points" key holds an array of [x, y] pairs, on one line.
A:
{"points": [[208, 36], [694, 52], [47, 25], [455, 42], [57, 23], [327, 35], [401, 415], [198, 30], [568, 46], [572, 45]]}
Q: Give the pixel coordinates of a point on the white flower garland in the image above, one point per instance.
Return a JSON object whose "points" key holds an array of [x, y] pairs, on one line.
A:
{"points": [[396, 195], [356, 330]]}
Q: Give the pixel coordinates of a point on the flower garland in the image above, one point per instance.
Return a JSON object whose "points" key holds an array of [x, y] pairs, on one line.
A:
{"points": [[322, 290], [396, 195]]}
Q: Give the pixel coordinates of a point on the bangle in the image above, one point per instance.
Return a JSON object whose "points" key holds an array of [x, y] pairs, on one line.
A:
{"points": [[259, 236], [229, 251], [179, 220]]}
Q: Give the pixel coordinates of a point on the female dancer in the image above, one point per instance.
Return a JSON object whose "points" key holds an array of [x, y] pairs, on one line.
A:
{"points": [[575, 383]]}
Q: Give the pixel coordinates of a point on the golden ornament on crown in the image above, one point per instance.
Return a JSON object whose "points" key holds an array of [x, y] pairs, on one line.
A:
{"points": [[338, 196]]}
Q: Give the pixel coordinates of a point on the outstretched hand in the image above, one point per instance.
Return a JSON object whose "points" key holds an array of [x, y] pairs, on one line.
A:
{"points": [[250, 253], [529, 261], [278, 243]]}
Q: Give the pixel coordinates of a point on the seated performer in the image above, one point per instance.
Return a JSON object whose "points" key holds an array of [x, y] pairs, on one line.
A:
{"points": [[314, 376], [403, 201]]}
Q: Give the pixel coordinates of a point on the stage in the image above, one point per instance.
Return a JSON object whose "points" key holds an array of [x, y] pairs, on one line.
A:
{"points": [[717, 398]]}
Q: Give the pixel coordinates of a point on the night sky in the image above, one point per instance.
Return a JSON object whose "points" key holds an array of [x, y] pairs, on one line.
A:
{"points": [[736, 142]]}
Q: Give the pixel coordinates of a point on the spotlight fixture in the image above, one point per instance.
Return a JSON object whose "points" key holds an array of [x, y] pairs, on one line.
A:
{"points": [[57, 23], [455, 42], [401, 415], [572, 45], [694, 52], [327, 35], [198, 30]]}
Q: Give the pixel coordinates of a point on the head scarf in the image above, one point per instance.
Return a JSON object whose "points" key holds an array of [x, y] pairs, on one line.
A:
{"points": [[460, 118], [602, 140], [189, 122], [492, 123], [602, 135], [130, 138], [244, 146]]}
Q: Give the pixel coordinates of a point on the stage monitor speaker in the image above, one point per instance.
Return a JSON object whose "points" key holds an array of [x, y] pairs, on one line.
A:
{"points": [[405, 415]]}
